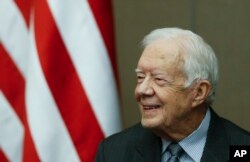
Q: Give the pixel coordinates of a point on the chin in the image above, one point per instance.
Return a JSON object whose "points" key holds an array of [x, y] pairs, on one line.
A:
{"points": [[150, 123]]}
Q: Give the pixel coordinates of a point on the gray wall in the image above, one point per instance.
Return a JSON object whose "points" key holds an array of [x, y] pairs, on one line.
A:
{"points": [[224, 24]]}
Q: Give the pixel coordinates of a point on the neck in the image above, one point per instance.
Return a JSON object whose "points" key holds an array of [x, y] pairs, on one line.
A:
{"points": [[183, 127]]}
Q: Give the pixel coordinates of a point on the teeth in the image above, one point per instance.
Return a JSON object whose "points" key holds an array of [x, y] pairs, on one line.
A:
{"points": [[151, 107]]}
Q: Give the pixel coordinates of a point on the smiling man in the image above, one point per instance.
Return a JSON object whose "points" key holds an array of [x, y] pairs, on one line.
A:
{"points": [[177, 75]]}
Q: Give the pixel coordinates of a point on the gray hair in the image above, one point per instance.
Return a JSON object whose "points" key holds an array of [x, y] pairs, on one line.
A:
{"points": [[200, 61]]}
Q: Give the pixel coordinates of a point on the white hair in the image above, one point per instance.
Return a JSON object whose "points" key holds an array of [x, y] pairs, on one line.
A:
{"points": [[200, 61]]}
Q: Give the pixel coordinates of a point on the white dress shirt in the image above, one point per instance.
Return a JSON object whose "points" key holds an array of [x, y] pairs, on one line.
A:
{"points": [[193, 145]]}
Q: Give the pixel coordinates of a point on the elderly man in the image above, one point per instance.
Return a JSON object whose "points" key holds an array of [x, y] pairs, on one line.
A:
{"points": [[176, 82]]}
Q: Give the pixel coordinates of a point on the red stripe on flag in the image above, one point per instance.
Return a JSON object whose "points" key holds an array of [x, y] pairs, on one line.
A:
{"points": [[25, 7], [103, 12], [12, 84], [3, 158], [65, 84]]}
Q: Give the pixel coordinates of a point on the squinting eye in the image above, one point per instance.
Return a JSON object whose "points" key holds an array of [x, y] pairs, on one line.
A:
{"points": [[140, 78], [160, 81]]}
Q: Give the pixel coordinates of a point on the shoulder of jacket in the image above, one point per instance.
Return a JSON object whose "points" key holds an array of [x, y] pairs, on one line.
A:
{"points": [[128, 133], [237, 135]]}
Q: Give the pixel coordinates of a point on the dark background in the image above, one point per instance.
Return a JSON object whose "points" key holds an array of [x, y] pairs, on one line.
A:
{"points": [[224, 24]]}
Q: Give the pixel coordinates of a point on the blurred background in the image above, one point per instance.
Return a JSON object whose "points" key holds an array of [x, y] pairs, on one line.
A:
{"points": [[224, 24], [53, 104]]}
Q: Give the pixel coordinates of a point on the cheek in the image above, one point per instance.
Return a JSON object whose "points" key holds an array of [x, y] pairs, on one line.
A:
{"points": [[166, 96], [171, 103]]}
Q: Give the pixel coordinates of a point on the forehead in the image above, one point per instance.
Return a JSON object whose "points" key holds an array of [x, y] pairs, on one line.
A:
{"points": [[161, 54]]}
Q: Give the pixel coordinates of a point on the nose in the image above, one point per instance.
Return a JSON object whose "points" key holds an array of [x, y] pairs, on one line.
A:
{"points": [[145, 88]]}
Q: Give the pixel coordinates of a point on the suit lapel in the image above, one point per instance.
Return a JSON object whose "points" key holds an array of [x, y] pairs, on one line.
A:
{"points": [[217, 145], [148, 148]]}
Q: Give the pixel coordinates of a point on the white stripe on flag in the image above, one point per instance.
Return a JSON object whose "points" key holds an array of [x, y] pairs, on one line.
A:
{"points": [[89, 55], [51, 138], [12, 131], [14, 34]]}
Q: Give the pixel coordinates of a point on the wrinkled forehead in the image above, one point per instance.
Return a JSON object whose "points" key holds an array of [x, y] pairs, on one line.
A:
{"points": [[163, 54]]}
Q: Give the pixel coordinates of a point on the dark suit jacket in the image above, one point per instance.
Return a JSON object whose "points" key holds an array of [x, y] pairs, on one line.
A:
{"points": [[138, 144]]}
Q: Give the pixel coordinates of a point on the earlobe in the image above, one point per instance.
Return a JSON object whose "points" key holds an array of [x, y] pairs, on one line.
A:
{"points": [[202, 90]]}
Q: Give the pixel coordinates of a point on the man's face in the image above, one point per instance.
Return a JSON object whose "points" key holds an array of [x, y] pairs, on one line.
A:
{"points": [[160, 91]]}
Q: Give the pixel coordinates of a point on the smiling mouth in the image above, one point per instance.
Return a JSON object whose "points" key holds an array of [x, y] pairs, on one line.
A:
{"points": [[150, 107]]}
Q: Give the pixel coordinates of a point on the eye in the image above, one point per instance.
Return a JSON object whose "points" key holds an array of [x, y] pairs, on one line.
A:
{"points": [[160, 81], [140, 78]]}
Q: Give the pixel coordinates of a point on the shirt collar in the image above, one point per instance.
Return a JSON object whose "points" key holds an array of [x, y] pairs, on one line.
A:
{"points": [[194, 143]]}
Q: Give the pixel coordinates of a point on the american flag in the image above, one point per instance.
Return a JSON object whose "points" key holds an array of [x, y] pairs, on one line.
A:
{"points": [[58, 90]]}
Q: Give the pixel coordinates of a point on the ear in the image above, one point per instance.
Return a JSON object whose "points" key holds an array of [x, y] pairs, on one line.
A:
{"points": [[201, 92]]}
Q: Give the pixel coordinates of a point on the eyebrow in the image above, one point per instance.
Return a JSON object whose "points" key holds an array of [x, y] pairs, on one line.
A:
{"points": [[138, 71], [154, 73], [157, 73]]}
